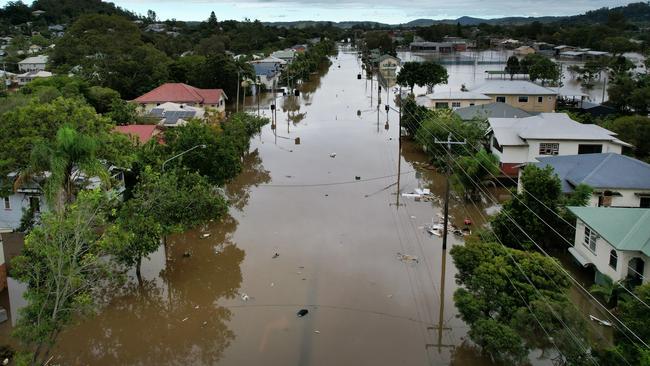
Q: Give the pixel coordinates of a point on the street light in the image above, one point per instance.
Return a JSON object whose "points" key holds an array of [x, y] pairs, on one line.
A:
{"points": [[202, 146]]}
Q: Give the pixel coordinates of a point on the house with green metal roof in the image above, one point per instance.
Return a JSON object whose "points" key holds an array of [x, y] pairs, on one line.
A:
{"points": [[615, 241]]}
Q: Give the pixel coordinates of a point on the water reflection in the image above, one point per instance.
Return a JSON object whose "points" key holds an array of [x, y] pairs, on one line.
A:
{"points": [[176, 316]]}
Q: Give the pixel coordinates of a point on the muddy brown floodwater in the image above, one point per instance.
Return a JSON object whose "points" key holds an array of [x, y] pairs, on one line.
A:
{"points": [[337, 233]]}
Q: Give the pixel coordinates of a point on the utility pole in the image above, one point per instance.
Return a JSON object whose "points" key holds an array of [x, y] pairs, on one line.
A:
{"points": [[399, 142], [238, 82], [449, 143]]}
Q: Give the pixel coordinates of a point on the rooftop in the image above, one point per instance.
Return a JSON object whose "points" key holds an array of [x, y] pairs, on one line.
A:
{"points": [[512, 87], [601, 171], [547, 126], [491, 110], [457, 95], [40, 59], [624, 228], [181, 93], [143, 133]]}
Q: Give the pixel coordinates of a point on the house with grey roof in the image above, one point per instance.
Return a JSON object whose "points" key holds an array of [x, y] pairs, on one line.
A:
{"points": [[175, 114], [516, 141], [452, 99], [617, 180], [614, 241], [522, 94], [490, 110], [35, 63]]}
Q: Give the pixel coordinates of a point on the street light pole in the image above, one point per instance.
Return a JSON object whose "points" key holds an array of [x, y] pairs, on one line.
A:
{"points": [[238, 82]]}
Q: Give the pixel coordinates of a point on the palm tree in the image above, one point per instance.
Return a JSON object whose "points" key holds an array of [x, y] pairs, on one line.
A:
{"points": [[62, 162], [609, 291]]}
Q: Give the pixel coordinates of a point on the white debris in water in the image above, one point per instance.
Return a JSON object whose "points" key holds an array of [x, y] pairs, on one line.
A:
{"points": [[245, 297], [332, 155]]}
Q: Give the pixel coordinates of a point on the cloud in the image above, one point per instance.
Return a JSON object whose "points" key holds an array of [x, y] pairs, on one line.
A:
{"points": [[391, 11]]}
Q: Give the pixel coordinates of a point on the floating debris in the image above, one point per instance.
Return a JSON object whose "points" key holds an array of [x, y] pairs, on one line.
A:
{"points": [[406, 258], [275, 255], [185, 319], [600, 321], [317, 331], [187, 254], [206, 235], [332, 155], [302, 312], [245, 297]]}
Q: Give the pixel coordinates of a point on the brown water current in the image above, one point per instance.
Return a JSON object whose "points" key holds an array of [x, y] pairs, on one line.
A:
{"points": [[306, 231]]}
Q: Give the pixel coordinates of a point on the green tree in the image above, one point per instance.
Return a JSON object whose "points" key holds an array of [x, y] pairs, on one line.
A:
{"points": [[539, 207], [634, 130], [431, 74], [152, 212], [109, 51], [70, 158], [102, 98], [64, 264], [472, 170], [512, 66], [409, 75], [634, 314], [618, 45], [505, 293], [37, 123]]}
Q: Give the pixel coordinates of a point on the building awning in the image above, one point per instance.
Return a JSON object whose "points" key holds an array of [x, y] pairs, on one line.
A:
{"points": [[579, 257]]}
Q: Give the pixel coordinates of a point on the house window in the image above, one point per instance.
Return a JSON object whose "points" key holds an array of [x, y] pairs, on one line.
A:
{"points": [[549, 148], [455, 104], [590, 149], [613, 259], [590, 239], [501, 99], [441, 105], [540, 99], [644, 202], [471, 104], [523, 99], [7, 203]]}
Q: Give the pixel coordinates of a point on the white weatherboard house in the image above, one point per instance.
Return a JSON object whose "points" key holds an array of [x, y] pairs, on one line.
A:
{"points": [[516, 141], [617, 180], [452, 99], [615, 241], [35, 63]]}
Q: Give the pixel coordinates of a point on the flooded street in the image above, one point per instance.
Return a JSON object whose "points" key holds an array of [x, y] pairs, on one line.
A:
{"points": [[306, 231]]}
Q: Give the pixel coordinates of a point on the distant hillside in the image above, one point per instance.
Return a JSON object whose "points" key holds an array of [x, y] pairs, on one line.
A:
{"points": [[635, 13]]}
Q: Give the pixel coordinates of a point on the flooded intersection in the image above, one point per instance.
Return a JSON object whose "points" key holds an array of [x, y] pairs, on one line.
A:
{"points": [[313, 226]]}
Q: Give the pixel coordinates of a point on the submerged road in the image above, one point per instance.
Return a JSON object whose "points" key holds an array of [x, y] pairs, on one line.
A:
{"points": [[307, 230]]}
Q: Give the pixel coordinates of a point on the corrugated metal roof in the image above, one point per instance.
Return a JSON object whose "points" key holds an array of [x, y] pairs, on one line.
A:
{"points": [[601, 171], [512, 87], [624, 228], [491, 110]]}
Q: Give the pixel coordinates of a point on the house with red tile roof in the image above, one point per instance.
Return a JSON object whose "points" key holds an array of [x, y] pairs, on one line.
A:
{"points": [[143, 133], [183, 94]]}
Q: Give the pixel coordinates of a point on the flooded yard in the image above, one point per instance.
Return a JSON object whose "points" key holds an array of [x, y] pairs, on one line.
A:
{"points": [[313, 226]]}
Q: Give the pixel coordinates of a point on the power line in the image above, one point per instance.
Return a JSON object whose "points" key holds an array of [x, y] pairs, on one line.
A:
{"points": [[531, 210], [557, 264], [333, 183]]}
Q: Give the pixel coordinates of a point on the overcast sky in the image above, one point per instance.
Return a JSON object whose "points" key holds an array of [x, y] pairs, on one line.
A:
{"points": [[387, 11]]}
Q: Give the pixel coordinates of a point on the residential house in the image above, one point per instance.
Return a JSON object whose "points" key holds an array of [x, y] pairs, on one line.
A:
{"points": [[183, 94], [452, 99], [28, 77], [439, 47], [34, 63], [142, 133], [56, 28], [267, 73], [524, 50], [563, 48], [516, 141], [521, 94], [28, 196], [490, 110], [388, 63], [175, 114], [38, 13], [617, 180], [287, 55], [300, 48], [156, 28], [614, 241], [34, 49]]}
